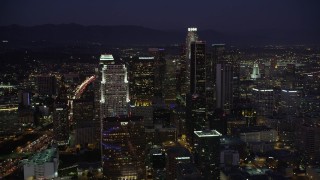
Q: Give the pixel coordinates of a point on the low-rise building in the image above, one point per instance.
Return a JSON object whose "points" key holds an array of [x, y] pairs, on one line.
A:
{"points": [[43, 165]]}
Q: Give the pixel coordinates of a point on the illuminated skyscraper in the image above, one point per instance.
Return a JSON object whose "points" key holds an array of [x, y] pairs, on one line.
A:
{"points": [[191, 37], [196, 119], [159, 70], [123, 148], [142, 80], [198, 68], [196, 101], [61, 123], [114, 88]]}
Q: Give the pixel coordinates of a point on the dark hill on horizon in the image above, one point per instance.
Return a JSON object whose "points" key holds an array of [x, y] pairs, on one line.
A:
{"points": [[138, 35]]}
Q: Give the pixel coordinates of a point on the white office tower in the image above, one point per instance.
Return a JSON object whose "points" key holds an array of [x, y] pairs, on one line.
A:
{"points": [[191, 37], [43, 165], [255, 72], [114, 88]]}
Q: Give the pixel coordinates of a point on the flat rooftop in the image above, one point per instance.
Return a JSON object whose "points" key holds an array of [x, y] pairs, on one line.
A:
{"points": [[208, 133], [106, 57], [256, 171], [44, 156]]}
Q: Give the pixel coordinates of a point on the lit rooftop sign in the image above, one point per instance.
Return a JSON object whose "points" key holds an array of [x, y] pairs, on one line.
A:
{"points": [[192, 29], [157, 154], [146, 57], [124, 123], [262, 90], [289, 91], [106, 57], [180, 158], [211, 133]]}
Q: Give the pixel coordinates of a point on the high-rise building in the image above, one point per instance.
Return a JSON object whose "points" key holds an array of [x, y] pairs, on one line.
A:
{"points": [[47, 85], [218, 121], [159, 134], [83, 115], [159, 70], [191, 37], [24, 99], [175, 156], [61, 120], [224, 81], [263, 100], [163, 117], [142, 79], [156, 163], [215, 56], [123, 148], [86, 110], [97, 106], [207, 153], [114, 88], [182, 85], [145, 110], [61, 123], [290, 102], [198, 68], [218, 52], [222, 64], [196, 101], [170, 83], [196, 118], [308, 141]]}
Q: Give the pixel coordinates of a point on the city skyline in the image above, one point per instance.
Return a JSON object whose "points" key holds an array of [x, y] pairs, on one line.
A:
{"points": [[143, 90]]}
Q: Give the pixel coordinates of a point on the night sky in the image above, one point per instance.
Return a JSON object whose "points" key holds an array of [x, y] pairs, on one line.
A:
{"points": [[222, 15]]}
